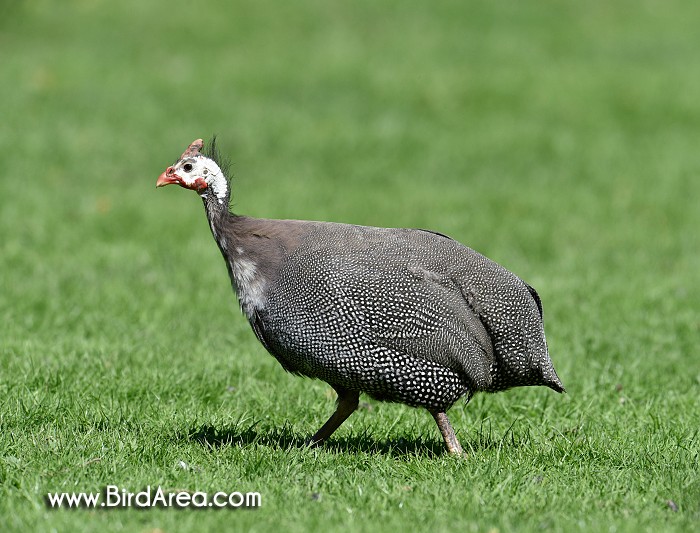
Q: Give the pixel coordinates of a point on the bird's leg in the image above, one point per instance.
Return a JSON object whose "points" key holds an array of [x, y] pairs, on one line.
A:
{"points": [[347, 403], [448, 433]]}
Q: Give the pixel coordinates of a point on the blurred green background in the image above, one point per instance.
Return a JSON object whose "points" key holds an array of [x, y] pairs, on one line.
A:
{"points": [[558, 138]]}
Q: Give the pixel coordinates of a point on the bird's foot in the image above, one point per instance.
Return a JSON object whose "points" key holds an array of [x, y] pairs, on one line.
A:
{"points": [[312, 442], [455, 449]]}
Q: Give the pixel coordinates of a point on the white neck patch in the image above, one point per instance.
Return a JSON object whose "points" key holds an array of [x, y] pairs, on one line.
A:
{"points": [[215, 179]]}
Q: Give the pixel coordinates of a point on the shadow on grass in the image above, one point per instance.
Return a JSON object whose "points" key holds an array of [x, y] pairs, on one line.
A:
{"points": [[285, 438]]}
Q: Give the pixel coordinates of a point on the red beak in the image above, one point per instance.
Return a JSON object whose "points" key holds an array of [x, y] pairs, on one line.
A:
{"points": [[167, 177]]}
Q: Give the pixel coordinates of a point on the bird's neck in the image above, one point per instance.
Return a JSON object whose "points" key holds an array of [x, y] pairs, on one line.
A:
{"points": [[242, 262], [216, 209], [219, 218], [252, 251]]}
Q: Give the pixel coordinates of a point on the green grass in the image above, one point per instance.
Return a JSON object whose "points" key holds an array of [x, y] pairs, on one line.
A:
{"points": [[558, 138]]}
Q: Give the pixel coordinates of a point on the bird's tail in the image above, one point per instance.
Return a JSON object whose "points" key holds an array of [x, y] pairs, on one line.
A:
{"points": [[551, 380]]}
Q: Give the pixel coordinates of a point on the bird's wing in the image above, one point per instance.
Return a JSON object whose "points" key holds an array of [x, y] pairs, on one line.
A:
{"points": [[424, 315], [535, 297]]}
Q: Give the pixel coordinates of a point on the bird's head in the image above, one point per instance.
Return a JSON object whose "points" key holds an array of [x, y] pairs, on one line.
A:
{"points": [[198, 171]]}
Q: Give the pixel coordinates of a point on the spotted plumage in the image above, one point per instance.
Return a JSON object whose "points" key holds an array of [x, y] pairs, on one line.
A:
{"points": [[403, 315]]}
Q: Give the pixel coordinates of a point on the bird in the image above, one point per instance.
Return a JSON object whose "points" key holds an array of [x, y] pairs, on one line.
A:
{"points": [[408, 316]]}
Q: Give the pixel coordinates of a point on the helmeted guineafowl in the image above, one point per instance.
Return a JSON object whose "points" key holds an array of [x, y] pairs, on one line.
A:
{"points": [[404, 315]]}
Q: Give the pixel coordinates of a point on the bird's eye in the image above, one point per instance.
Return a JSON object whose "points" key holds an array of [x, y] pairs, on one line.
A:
{"points": [[187, 167]]}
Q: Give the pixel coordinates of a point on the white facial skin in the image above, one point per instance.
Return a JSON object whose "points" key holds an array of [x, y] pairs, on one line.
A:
{"points": [[201, 174]]}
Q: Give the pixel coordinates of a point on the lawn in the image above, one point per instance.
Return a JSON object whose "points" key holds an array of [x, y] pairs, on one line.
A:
{"points": [[558, 138]]}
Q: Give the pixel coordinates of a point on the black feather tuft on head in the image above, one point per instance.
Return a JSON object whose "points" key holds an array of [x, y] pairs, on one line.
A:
{"points": [[212, 152]]}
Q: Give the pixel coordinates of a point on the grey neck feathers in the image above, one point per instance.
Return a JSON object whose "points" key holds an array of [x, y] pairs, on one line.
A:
{"points": [[253, 250]]}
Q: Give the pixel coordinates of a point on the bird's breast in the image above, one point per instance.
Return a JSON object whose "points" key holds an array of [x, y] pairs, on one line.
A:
{"points": [[250, 285]]}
